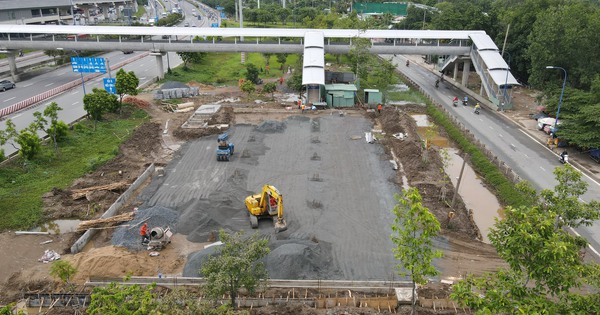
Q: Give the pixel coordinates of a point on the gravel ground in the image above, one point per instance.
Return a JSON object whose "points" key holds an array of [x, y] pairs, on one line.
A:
{"points": [[128, 235], [338, 195]]}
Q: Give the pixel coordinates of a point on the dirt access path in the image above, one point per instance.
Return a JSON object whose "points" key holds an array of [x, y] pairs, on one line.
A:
{"points": [[462, 253]]}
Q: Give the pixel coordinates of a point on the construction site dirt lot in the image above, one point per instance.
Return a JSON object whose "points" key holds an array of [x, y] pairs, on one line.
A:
{"points": [[338, 193]]}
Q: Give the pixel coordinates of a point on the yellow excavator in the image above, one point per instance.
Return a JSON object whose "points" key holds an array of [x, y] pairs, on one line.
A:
{"points": [[268, 204]]}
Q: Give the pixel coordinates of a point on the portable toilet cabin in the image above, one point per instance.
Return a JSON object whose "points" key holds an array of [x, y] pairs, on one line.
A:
{"points": [[340, 95], [373, 97]]}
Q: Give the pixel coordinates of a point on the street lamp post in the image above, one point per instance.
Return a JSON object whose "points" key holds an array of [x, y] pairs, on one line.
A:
{"points": [[506, 83], [562, 92]]}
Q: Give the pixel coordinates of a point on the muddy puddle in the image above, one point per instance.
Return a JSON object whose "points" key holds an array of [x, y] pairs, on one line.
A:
{"points": [[475, 195], [58, 226]]}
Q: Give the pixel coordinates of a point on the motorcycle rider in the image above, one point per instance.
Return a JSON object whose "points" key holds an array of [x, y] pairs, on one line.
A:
{"points": [[407, 62], [564, 157], [455, 101], [477, 107], [437, 83], [466, 100]]}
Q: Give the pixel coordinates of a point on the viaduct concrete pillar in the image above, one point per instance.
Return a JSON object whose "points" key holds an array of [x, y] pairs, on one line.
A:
{"points": [[159, 63], [466, 70], [12, 65], [455, 73]]}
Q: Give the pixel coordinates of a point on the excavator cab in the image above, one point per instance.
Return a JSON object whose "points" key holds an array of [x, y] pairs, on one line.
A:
{"points": [[267, 204]]}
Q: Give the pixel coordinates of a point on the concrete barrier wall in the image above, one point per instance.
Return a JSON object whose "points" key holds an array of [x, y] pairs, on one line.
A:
{"points": [[124, 198]]}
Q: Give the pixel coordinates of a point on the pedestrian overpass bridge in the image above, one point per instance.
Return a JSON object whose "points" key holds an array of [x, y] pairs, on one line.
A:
{"points": [[464, 47]]}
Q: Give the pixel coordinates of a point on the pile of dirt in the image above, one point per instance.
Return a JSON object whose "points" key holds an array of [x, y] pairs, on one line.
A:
{"points": [[422, 167]]}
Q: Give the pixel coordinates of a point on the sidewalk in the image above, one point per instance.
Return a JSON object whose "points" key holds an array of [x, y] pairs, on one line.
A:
{"points": [[523, 106]]}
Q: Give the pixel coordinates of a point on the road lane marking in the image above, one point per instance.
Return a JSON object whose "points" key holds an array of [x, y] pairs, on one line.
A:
{"points": [[8, 99], [75, 103], [527, 156], [26, 85], [545, 146], [142, 65], [49, 84], [543, 169], [590, 246], [500, 135]]}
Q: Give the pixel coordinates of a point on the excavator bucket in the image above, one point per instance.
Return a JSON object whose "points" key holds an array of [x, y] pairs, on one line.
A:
{"points": [[280, 225]]}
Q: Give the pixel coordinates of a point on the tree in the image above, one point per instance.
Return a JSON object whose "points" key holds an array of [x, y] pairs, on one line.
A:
{"points": [[28, 140], [270, 88], [123, 299], [545, 260], [191, 57], [237, 266], [252, 73], [414, 227], [282, 58], [98, 102], [359, 56], [127, 83], [57, 129], [63, 270], [248, 87]]}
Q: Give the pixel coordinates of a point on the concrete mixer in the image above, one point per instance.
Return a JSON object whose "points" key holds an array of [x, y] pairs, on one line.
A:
{"points": [[159, 238]]}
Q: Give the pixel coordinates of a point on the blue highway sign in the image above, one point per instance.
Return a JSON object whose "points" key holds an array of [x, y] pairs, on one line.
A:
{"points": [[109, 85], [87, 64]]}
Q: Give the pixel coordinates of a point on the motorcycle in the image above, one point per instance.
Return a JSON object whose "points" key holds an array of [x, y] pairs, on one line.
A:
{"points": [[407, 63], [564, 158], [476, 111], [437, 83], [455, 103], [465, 102]]}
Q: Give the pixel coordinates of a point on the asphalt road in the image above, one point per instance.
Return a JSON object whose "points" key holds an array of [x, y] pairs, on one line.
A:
{"points": [[72, 100], [526, 156]]}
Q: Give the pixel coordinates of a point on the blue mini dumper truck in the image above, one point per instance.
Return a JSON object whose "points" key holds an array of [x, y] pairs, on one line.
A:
{"points": [[224, 148]]}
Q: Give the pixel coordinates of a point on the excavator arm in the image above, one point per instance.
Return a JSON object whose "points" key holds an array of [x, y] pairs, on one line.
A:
{"points": [[268, 204]]}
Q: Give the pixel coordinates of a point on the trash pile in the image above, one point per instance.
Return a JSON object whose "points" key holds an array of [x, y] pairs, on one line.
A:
{"points": [[49, 255]]}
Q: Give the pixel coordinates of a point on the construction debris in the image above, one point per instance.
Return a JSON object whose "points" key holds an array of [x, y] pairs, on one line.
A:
{"points": [[49, 255], [80, 193], [107, 222]]}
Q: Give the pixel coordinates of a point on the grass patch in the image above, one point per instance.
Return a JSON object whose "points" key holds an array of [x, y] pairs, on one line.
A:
{"points": [[409, 96], [22, 183], [226, 68]]}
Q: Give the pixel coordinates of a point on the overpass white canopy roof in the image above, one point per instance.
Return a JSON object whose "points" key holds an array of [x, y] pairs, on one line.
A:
{"points": [[493, 60], [233, 32], [313, 67], [483, 41]]}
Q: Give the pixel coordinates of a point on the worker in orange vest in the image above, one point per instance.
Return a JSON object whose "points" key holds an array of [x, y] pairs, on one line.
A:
{"points": [[379, 107], [144, 233]]}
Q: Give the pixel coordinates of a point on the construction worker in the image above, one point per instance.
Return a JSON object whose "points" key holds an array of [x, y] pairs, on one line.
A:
{"points": [[379, 107], [303, 107], [144, 233]]}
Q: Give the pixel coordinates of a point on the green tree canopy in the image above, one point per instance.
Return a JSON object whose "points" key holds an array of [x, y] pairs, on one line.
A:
{"points": [[545, 260], [414, 227], [98, 102], [127, 83], [237, 266]]}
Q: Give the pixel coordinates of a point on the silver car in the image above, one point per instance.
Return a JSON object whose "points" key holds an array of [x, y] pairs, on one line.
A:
{"points": [[6, 84]]}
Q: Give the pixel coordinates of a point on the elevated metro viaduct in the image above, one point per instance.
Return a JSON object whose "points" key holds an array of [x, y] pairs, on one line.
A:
{"points": [[470, 46]]}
